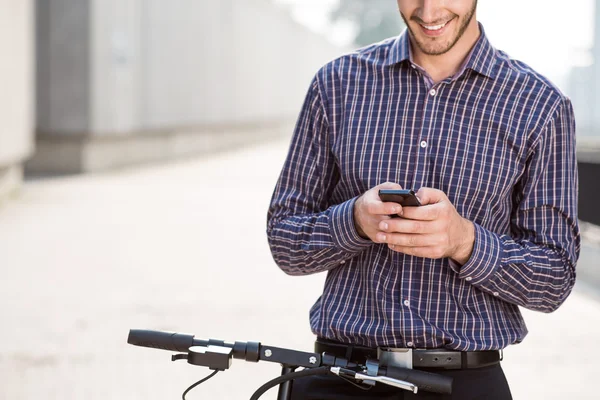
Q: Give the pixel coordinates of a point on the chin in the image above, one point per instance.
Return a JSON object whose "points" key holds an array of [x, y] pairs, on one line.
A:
{"points": [[434, 49], [437, 50]]}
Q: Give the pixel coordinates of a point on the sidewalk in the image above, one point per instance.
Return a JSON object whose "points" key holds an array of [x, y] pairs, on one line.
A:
{"points": [[176, 247]]}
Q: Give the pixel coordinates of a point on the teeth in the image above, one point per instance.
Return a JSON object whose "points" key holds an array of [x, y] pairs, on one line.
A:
{"points": [[435, 27]]}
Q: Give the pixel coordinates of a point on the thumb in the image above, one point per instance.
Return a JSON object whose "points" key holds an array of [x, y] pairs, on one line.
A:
{"points": [[389, 185], [430, 196]]}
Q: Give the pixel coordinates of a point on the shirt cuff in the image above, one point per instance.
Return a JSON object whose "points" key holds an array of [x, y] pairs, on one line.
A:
{"points": [[343, 230], [485, 258]]}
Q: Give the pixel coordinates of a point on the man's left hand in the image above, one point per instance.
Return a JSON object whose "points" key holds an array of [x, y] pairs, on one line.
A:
{"points": [[434, 230]]}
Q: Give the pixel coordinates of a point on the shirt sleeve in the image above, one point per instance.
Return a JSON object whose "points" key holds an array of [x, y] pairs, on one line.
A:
{"points": [[534, 267], [306, 233]]}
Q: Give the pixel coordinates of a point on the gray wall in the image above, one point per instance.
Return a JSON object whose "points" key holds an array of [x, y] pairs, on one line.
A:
{"points": [[115, 70], [584, 88], [185, 62], [62, 57], [16, 86]]}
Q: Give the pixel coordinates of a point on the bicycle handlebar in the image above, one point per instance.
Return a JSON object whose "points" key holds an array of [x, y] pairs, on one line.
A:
{"points": [[254, 352], [427, 381], [161, 340]]}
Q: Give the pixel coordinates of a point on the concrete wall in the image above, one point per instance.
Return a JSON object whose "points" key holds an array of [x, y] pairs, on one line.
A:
{"points": [[126, 81], [584, 90], [584, 87], [16, 86], [62, 66]]}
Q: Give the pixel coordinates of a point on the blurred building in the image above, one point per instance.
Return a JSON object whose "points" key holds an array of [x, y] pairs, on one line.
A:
{"points": [[584, 88], [17, 89], [129, 81]]}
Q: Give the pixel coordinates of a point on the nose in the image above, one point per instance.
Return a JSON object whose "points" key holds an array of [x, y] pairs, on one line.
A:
{"points": [[430, 10]]}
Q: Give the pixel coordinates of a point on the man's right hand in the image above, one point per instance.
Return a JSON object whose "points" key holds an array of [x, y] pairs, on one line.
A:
{"points": [[369, 211]]}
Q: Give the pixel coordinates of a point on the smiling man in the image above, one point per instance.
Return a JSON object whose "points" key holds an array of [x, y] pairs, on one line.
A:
{"points": [[489, 146], [437, 31]]}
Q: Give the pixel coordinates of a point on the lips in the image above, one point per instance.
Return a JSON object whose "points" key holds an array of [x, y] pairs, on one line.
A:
{"points": [[435, 27], [435, 30]]}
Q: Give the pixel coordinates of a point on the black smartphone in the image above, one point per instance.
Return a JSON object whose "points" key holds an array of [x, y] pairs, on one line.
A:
{"points": [[404, 197]]}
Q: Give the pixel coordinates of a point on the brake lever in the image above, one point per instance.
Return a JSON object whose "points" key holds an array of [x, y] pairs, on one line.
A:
{"points": [[411, 387], [389, 381]]}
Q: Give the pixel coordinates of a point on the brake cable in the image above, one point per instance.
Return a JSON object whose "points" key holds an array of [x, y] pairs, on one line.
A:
{"points": [[287, 377], [199, 382]]}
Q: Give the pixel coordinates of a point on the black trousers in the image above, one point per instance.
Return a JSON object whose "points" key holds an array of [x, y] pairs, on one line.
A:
{"points": [[487, 383]]}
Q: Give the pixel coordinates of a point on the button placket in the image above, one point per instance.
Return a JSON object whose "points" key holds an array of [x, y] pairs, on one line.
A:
{"points": [[406, 303], [429, 105]]}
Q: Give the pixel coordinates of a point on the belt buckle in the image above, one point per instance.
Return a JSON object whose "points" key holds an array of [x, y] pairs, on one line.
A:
{"points": [[395, 357]]}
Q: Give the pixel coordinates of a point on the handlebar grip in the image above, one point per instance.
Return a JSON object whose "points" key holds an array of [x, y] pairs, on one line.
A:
{"points": [[160, 339], [427, 381]]}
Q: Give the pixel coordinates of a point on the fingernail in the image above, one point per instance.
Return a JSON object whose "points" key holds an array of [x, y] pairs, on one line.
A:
{"points": [[384, 226], [383, 238], [396, 210]]}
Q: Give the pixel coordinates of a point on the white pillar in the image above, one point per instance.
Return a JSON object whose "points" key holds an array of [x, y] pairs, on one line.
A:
{"points": [[16, 86]]}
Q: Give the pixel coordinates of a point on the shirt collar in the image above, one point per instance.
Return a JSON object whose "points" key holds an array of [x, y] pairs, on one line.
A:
{"points": [[481, 59]]}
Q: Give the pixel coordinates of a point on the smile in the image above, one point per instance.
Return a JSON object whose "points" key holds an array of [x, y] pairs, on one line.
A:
{"points": [[434, 31], [435, 27]]}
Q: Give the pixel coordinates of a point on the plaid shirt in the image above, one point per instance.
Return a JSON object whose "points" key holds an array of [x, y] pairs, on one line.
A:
{"points": [[497, 138]]}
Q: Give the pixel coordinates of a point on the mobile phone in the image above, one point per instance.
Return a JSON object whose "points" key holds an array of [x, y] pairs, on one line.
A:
{"points": [[404, 197]]}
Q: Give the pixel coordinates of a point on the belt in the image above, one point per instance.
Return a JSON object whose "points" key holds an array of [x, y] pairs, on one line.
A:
{"points": [[421, 358]]}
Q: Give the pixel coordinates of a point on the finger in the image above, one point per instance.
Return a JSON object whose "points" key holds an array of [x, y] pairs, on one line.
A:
{"points": [[401, 225], [424, 213], [377, 207], [425, 252], [430, 196], [407, 239], [389, 185], [371, 225]]}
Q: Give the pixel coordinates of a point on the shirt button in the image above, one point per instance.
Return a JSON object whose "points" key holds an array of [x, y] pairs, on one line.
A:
{"points": [[409, 344], [433, 92], [496, 294], [468, 278], [343, 262], [412, 66], [423, 144], [406, 303]]}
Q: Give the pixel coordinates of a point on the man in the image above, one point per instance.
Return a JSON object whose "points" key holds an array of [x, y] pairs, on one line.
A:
{"points": [[490, 146]]}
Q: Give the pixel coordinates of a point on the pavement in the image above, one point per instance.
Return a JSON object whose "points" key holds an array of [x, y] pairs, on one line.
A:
{"points": [[182, 247]]}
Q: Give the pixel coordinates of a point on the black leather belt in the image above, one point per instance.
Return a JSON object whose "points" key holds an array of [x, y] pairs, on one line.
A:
{"points": [[422, 358]]}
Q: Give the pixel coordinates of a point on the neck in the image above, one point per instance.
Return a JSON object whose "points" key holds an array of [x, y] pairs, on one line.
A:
{"points": [[447, 65]]}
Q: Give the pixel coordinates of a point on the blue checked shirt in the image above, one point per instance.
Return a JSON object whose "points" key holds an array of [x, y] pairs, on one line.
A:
{"points": [[497, 138]]}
